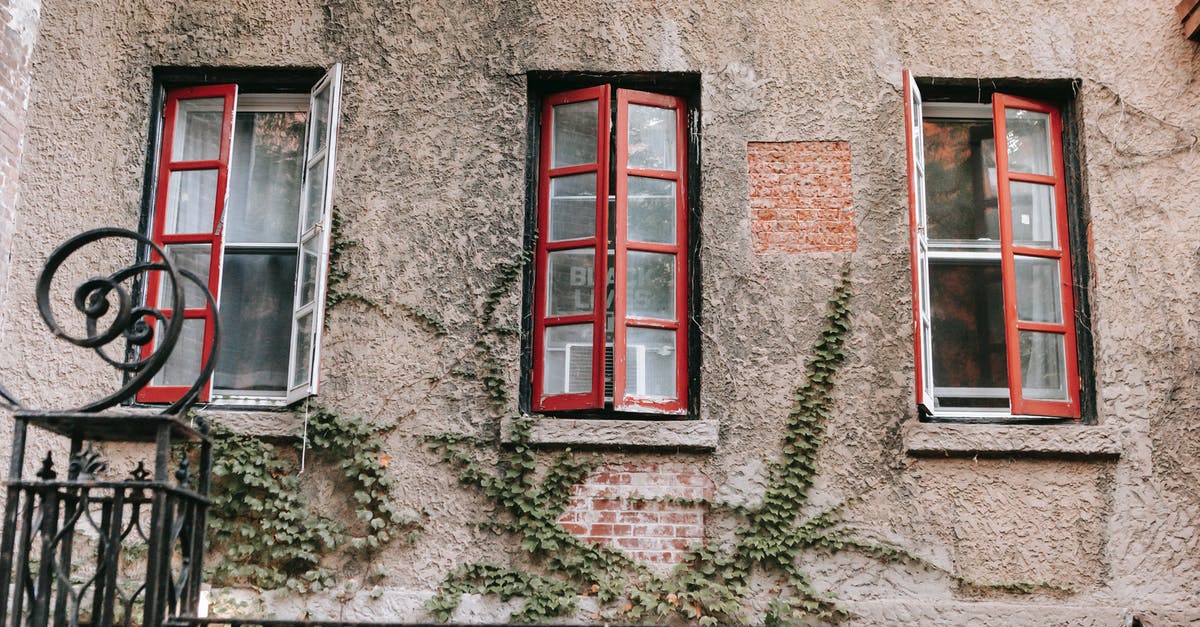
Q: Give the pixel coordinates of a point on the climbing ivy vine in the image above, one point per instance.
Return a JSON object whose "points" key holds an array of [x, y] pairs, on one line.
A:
{"points": [[712, 585], [271, 537], [265, 529], [335, 290]]}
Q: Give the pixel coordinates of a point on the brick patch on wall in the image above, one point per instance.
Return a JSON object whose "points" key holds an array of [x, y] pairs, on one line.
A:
{"points": [[801, 197], [610, 507]]}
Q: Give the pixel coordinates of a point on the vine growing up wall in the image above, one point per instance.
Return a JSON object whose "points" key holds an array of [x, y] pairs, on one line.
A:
{"points": [[268, 533], [712, 586], [336, 291]]}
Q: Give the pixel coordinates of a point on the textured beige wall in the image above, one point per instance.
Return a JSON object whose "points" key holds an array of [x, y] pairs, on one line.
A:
{"points": [[430, 181]]}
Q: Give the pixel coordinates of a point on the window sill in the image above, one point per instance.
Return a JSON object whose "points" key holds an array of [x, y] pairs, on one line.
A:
{"points": [[697, 435], [266, 423], [1059, 441]]}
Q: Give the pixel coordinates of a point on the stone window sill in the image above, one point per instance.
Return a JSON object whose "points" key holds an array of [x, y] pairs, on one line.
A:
{"points": [[1060, 441], [263, 423], [695, 435]]}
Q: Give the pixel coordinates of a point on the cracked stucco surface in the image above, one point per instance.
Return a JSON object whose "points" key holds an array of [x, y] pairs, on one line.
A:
{"points": [[430, 181]]}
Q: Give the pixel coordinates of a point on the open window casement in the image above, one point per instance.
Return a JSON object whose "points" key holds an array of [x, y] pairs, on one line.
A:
{"points": [[316, 214], [610, 305], [993, 310], [189, 207], [1039, 309], [650, 313], [572, 251], [919, 240]]}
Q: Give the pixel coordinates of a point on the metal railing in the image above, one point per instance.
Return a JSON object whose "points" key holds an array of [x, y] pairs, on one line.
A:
{"points": [[83, 550]]}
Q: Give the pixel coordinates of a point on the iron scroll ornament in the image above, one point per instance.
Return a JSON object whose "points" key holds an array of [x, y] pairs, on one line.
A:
{"points": [[96, 297]]}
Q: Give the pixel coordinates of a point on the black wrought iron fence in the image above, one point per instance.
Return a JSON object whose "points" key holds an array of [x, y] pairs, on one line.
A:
{"points": [[78, 548]]}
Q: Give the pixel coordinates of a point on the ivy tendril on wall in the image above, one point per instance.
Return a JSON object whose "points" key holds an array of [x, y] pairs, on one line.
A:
{"points": [[712, 586], [264, 526]]}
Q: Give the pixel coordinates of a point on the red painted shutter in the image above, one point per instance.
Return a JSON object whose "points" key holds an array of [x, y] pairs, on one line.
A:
{"points": [[189, 207], [651, 304], [1039, 306], [919, 240], [569, 314]]}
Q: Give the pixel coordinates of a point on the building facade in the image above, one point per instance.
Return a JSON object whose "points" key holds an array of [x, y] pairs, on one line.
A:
{"points": [[625, 220]]}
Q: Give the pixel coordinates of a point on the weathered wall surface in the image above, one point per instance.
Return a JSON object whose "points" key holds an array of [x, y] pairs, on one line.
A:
{"points": [[430, 182], [20, 23]]}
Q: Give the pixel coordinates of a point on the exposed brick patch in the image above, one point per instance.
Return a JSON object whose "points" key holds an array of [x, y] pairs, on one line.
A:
{"points": [[610, 507], [801, 197]]}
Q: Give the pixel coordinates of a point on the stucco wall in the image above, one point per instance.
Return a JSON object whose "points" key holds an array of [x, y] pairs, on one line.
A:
{"points": [[431, 183]]}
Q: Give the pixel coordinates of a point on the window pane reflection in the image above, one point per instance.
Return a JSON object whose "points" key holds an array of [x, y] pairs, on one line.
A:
{"points": [[264, 177], [571, 281], [572, 207], [651, 138], [651, 210], [650, 362], [197, 134], [575, 134], [256, 320], [568, 359], [960, 179], [968, 325], [1043, 366], [650, 286], [1028, 141]]}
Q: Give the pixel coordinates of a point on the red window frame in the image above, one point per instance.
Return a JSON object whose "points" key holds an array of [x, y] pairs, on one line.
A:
{"points": [[594, 397], [621, 399], [1018, 404], [212, 238], [1061, 253]]}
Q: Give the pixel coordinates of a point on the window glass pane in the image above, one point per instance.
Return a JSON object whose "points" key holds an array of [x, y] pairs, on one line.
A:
{"points": [[650, 286], [650, 362], [572, 206], [197, 134], [575, 134], [183, 366], [967, 310], [320, 124], [301, 373], [256, 320], [651, 210], [315, 198], [1033, 215], [1043, 366], [191, 201], [308, 271], [193, 257], [960, 179], [1039, 294], [1028, 136], [264, 177], [572, 280], [651, 138], [568, 360]]}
